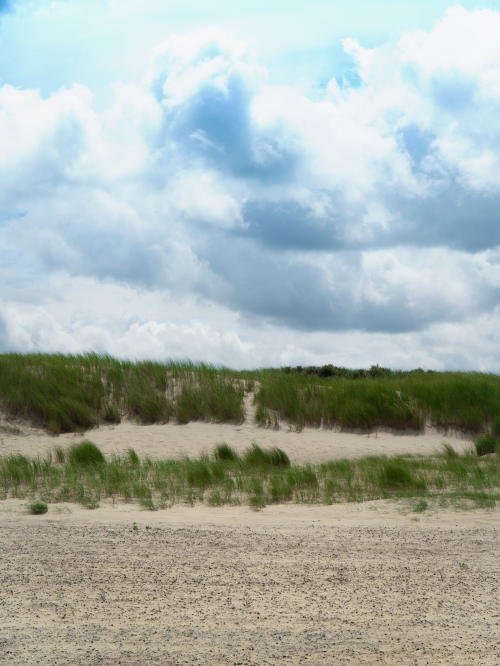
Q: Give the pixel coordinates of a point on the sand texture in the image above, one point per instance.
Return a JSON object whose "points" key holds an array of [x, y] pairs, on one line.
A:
{"points": [[173, 441], [289, 585]]}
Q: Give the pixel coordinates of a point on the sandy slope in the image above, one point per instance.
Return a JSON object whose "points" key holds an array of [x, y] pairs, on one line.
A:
{"points": [[289, 585], [167, 441]]}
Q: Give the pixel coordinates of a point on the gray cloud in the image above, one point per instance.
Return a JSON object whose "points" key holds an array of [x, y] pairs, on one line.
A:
{"points": [[214, 126]]}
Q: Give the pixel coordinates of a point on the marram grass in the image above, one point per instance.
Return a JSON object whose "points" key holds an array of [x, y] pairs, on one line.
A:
{"points": [[257, 478], [72, 393], [75, 393], [459, 401]]}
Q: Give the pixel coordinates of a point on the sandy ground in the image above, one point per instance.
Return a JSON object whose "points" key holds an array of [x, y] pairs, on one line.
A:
{"points": [[292, 584], [358, 584], [173, 441]]}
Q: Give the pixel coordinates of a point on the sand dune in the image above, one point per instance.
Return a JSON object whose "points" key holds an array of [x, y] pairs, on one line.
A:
{"points": [[172, 441]]}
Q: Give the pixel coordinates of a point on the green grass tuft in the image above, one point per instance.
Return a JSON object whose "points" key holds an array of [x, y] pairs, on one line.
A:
{"points": [[37, 508], [485, 444], [132, 456], [85, 454], [224, 452], [255, 456], [449, 451]]}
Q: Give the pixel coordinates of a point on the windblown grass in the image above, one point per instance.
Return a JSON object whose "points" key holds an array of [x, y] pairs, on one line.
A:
{"points": [[257, 478], [71, 393], [75, 393], [448, 400]]}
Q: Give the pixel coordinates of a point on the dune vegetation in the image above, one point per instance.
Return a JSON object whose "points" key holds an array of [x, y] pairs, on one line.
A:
{"points": [[259, 477], [72, 393], [65, 393]]}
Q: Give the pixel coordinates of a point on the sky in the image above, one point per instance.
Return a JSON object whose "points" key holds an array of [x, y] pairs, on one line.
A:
{"points": [[252, 183]]}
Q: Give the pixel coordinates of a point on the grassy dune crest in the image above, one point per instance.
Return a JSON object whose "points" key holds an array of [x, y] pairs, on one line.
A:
{"points": [[405, 400], [258, 477], [72, 393]]}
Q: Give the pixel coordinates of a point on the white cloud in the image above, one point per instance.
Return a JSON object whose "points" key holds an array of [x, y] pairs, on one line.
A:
{"points": [[373, 208]]}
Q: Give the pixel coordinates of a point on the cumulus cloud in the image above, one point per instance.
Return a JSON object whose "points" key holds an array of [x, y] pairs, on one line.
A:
{"points": [[372, 208]]}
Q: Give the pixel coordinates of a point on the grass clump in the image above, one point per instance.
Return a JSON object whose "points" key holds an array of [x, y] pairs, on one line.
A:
{"points": [[421, 506], [485, 444], [255, 456], [132, 456], [225, 453], [84, 454], [449, 451], [37, 508], [395, 475]]}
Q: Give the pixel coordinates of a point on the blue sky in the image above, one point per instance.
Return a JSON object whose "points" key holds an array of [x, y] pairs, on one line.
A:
{"points": [[252, 184]]}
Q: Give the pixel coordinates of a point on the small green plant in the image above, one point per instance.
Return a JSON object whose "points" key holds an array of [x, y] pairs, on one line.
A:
{"points": [[463, 565], [395, 475], [449, 451], [148, 527], [37, 508], [257, 502], [148, 504], [225, 453], [421, 506], [485, 444], [273, 457], [135, 526], [59, 454], [132, 456], [85, 454]]}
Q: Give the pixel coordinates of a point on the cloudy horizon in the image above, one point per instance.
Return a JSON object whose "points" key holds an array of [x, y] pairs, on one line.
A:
{"points": [[201, 184]]}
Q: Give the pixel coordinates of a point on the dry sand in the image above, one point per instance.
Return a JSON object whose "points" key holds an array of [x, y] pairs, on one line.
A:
{"points": [[292, 584], [288, 585]]}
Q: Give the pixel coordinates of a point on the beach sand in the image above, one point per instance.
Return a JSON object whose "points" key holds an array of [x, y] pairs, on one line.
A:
{"points": [[350, 584]]}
